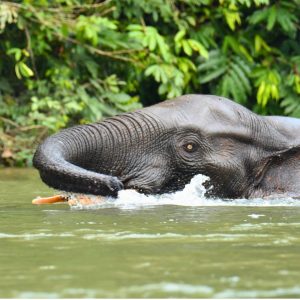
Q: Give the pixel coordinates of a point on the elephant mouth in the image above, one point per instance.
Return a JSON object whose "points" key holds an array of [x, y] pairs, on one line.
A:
{"points": [[141, 187], [154, 184], [144, 185]]}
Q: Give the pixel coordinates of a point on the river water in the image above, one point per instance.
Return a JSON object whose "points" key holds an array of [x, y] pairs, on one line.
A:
{"points": [[146, 247]]}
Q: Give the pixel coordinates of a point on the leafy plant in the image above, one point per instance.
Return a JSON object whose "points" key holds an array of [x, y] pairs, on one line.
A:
{"points": [[70, 62], [231, 73]]}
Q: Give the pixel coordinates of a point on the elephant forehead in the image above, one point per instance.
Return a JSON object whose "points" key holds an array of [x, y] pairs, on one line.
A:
{"points": [[199, 111]]}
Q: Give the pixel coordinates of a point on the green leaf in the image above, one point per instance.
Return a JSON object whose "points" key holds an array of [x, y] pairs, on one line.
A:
{"points": [[163, 48], [187, 48], [214, 61], [232, 16], [213, 75], [24, 69], [179, 36], [16, 51], [271, 18], [196, 46], [237, 89], [17, 71], [241, 80], [135, 27], [152, 42]]}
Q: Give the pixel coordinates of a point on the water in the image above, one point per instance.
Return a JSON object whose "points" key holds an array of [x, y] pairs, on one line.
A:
{"points": [[149, 249]]}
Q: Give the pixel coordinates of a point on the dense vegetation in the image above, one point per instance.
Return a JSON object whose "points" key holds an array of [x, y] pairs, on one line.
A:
{"points": [[66, 62]]}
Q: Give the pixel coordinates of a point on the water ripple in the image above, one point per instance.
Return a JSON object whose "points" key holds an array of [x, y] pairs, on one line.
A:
{"points": [[206, 237], [33, 236]]}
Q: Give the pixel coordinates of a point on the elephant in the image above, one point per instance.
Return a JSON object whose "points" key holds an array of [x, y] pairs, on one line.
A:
{"points": [[158, 149]]}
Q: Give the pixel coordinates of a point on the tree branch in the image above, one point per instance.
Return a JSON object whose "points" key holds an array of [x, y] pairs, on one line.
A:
{"points": [[29, 48]]}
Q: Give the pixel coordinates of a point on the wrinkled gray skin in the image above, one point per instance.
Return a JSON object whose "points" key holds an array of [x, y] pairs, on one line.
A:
{"points": [[160, 148]]}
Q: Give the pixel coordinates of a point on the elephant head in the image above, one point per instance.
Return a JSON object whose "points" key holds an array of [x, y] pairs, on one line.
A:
{"points": [[160, 148]]}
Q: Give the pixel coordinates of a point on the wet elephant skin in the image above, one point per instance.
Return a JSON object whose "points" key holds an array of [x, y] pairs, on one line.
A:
{"points": [[158, 149]]}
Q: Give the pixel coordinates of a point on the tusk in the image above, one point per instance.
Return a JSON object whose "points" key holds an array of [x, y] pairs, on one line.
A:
{"points": [[49, 200]]}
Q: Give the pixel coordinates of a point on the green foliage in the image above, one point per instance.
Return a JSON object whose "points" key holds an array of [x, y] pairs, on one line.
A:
{"points": [[231, 72], [69, 62]]}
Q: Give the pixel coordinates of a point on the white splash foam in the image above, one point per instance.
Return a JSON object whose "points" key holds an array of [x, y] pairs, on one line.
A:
{"points": [[192, 195], [170, 288], [288, 292]]}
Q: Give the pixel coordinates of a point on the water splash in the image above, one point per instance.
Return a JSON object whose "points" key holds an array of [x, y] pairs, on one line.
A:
{"points": [[193, 194]]}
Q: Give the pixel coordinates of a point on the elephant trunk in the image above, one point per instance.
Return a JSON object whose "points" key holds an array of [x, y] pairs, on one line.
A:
{"points": [[63, 161], [90, 158]]}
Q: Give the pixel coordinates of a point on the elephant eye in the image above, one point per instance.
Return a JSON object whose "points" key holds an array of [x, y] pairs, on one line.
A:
{"points": [[190, 147]]}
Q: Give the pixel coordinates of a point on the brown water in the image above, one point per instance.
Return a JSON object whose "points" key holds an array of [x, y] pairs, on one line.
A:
{"points": [[153, 251]]}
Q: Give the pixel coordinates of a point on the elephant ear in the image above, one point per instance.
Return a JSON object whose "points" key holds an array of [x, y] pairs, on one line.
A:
{"points": [[280, 173]]}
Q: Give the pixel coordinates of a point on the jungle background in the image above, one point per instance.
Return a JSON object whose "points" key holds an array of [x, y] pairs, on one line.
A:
{"points": [[66, 62]]}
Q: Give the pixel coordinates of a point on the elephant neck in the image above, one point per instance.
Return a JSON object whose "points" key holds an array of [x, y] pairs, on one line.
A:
{"points": [[276, 168], [278, 175], [242, 154]]}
